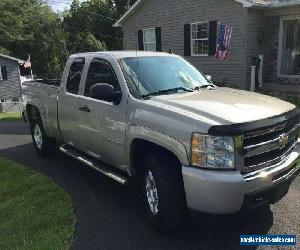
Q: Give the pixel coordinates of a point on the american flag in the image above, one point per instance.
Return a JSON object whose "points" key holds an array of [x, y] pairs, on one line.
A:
{"points": [[27, 64], [223, 42]]}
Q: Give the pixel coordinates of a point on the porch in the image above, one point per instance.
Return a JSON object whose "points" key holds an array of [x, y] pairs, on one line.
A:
{"points": [[283, 91], [281, 51]]}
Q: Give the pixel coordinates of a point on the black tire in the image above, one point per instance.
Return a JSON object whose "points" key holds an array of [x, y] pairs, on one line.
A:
{"points": [[166, 172], [46, 145]]}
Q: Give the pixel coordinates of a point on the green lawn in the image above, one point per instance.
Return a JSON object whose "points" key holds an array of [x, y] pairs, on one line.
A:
{"points": [[34, 212], [10, 116]]}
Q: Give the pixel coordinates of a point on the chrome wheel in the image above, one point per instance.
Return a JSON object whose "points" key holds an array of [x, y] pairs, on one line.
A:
{"points": [[152, 194], [38, 137]]}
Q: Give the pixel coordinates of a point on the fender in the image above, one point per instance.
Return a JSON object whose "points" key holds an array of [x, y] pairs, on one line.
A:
{"points": [[158, 138], [40, 111]]}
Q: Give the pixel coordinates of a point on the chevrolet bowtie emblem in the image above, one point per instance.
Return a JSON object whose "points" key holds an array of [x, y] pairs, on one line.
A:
{"points": [[283, 140]]}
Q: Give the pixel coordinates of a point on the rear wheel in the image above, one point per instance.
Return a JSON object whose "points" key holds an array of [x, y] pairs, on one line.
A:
{"points": [[43, 144], [164, 192]]}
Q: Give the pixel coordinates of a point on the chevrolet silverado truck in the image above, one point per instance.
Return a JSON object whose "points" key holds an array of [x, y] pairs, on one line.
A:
{"points": [[155, 118]]}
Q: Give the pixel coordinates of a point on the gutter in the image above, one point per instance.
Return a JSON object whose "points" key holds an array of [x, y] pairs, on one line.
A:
{"points": [[126, 15]]}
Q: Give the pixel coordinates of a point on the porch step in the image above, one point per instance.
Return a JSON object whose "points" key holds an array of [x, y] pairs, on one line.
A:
{"points": [[281, 88], [95, 164]]}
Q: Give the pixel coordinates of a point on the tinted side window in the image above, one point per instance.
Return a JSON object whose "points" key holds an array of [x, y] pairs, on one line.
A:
{"points": [[74, 77], [99, 72]]}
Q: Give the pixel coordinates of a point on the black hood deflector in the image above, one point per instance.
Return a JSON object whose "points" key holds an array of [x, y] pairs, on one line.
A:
{"points": [[242, 128]]}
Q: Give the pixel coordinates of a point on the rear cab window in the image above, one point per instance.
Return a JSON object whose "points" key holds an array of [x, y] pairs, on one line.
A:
{"points": [[75, 75]]}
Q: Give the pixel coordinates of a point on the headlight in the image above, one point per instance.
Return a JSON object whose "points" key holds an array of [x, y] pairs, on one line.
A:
{"points": [[212, 151]]}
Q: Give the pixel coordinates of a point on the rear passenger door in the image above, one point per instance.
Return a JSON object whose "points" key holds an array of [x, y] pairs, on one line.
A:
{"points": [[68, 113]]}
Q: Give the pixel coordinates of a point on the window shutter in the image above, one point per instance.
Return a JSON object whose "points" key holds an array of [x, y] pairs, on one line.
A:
{"points": [[4, 72], [213, 27], [187, 40], [158, 39], [140, 40]]}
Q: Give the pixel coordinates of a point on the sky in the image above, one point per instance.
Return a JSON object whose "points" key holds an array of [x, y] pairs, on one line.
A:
{"points": [[60, 5]]}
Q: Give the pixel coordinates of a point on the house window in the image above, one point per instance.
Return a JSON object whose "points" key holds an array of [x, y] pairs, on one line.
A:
{"points": [[149, 39], [1, 77], [199, 39], [3, 73], [290, 48]]}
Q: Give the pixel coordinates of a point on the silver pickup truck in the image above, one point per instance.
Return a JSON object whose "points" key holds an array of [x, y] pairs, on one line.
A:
{"points": [[155, 118]]}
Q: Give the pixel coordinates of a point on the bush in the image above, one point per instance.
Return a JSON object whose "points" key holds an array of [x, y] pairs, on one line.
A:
{"points": [[295, 100]]}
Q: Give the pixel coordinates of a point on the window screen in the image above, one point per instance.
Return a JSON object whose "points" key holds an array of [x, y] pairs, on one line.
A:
{"points": [[74, 77], [149, 39], [199, 35]]}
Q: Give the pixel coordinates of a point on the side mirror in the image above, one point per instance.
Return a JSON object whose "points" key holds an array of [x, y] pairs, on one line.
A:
{"points": [[208, 77], [105, 92]]}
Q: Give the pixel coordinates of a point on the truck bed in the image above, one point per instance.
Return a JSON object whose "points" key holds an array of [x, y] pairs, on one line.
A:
{"points": [[43, 93], [50, 82]]}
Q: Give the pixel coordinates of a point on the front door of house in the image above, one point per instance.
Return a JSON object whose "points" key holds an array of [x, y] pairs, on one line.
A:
{"points": [[289, 49]]}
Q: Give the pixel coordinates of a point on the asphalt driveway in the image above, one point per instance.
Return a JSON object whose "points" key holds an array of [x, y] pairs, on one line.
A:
{"points": [[110, 216]]}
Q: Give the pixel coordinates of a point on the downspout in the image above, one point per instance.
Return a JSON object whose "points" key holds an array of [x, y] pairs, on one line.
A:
{"points": [[246, 84]]}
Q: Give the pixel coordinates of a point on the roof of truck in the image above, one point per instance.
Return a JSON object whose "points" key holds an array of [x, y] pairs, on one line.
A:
{"points": [[125, 53]]}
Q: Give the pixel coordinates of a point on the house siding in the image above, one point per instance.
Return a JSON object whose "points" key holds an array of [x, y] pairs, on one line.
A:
{"points": [[10, 88], [171, 16], [256, 23], [293, 10], [270, 47]]}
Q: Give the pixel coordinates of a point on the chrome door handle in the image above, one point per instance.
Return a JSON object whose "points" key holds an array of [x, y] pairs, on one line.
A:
{"points": [[85, 109]]}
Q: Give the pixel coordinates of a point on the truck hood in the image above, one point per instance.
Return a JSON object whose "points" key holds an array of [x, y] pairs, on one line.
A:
{"points": [[224, 106]]}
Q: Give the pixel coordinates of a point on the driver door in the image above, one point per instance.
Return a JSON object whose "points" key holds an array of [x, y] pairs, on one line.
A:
{"points": [[98, 117]]}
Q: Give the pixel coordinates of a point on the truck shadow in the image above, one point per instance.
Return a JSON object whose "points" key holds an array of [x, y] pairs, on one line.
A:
{"points": [[110, 216], [13, 128]]}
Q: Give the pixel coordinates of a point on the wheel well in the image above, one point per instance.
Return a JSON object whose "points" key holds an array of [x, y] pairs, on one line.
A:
{"points": [[32, 113], [138, 150]]}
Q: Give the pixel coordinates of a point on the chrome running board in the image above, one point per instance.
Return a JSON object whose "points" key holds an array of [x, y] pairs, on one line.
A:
{"points": [[95, 164]]}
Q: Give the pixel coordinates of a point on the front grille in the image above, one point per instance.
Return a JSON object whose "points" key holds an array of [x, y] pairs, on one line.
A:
{"points": [[267, 147]]}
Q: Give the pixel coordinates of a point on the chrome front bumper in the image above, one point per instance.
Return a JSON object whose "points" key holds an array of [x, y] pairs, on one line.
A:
{"points": [[225, 192]]}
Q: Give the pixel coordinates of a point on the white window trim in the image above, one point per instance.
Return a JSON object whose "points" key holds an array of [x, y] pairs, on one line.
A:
{"points": [[282, 19], [1, 77], [201, 39], [147, 43]]}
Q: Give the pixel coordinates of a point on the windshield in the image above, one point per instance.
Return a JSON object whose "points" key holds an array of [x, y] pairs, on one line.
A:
{"points": [[146, 75]]}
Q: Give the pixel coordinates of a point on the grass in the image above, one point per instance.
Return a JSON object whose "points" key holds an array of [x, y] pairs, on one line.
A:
{"points": [[34, 212], [10, 116]]}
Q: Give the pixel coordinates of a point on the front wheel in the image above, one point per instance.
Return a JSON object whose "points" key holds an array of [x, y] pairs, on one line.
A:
{"points": [[164, 192], [43, 144]]}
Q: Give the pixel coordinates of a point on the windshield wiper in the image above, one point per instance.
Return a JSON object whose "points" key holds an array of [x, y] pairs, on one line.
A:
{"points": [[205, 86], [166, 91]]}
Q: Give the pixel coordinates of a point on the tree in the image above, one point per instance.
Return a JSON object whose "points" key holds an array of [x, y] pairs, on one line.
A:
{"points": [[97, 17], [29, 27], [121, 6]]}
